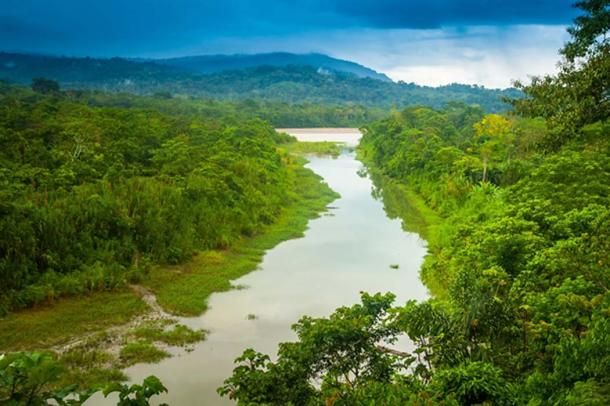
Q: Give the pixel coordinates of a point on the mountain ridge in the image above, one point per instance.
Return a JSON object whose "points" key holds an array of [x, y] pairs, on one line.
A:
{"points": [[215, 63], [292, 84]]}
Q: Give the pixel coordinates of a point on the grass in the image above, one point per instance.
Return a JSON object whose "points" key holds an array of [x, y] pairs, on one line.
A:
{"points": [[317, 147], [183, 290], [141, 351], [179, 335], [82, 358], [93, 377], [49, 326], [88, 366]]}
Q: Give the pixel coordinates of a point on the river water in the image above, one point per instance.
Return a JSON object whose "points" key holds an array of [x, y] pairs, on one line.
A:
{"points": [[347, 250]]}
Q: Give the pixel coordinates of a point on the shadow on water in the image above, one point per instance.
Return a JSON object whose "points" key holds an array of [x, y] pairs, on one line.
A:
{"points": [[398, 204]]}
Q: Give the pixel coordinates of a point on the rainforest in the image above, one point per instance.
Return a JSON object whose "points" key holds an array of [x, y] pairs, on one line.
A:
{"points": [[291, 228]]}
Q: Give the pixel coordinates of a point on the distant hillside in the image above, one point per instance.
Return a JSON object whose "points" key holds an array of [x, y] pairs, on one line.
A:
{"points": [[22, 68], [298, 84], [219, 63], [290, 84]]}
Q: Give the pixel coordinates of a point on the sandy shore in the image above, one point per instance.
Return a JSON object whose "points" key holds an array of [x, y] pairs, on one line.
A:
{"points": [[348, 136]]}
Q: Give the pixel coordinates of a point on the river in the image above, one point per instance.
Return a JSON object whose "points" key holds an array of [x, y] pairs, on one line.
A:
{"points": [[347, 250]]}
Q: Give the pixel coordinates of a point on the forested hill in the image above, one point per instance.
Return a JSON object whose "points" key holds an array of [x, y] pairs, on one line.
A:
{"points": [[292, 84], [219, 63], [297, 84]]}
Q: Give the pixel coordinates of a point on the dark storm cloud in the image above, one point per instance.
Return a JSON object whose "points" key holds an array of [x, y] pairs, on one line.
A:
{"points": [[427, 14], [129, 27], [136, 26], [15, 30]]}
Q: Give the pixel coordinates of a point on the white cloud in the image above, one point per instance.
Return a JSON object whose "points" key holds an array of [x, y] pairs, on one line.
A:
{"points": [[490, 56]]}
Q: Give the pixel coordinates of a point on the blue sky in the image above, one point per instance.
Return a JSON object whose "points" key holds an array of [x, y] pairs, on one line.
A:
{"points": [[489, 42]]}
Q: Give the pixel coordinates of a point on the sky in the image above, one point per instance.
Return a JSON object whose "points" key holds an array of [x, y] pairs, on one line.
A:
{"points": [[432, 42]]}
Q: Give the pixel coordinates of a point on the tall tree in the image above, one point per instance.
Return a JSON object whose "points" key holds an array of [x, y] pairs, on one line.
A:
{"points": [[590, 30], [580, 93], [494, 134]]}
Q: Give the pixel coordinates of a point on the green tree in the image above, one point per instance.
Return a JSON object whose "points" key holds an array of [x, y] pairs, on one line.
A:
{"points": [[588, 34], [30, 378], [27, 379], [494, 134], [342, 352], [43, 85], [578, 94]]}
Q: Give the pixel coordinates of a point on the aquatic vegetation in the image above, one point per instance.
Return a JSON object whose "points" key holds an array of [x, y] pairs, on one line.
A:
{"points": [[141, 351], [316, 148]]}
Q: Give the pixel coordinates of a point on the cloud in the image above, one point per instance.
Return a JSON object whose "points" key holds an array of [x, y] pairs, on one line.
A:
{"points": [[487, 55], [430, 14], [491, 56], [427, 41], [106, 27]]}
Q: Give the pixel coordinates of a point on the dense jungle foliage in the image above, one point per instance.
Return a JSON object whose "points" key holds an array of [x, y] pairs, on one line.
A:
{"points": [[295, 84], [519, 262], [24, 67], [219, 63], [90, 196], [279, 114]]}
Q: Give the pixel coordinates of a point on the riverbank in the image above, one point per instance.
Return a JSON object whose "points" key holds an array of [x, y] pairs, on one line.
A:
{"points": [[403, 202], [183, 290], [179, 290]]}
